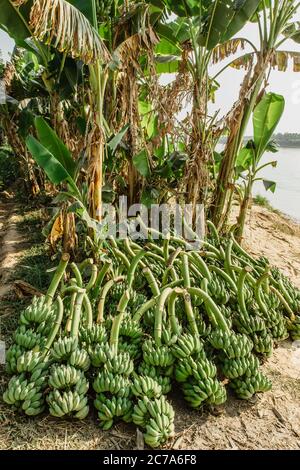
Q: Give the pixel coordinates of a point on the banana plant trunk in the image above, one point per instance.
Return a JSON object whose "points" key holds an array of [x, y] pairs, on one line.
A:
{"points": [[197, 175], [95, 173], [241, 220], [247, 100]]}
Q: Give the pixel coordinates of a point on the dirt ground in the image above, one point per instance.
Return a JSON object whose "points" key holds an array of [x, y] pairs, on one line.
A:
{"points": [[269, 421]]}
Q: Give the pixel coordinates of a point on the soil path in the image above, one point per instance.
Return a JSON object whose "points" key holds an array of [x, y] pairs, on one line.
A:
{"points": [[11, 243]]}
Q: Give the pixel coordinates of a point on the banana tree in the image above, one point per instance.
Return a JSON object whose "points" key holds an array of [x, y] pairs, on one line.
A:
{"points": [[199, 28], [274, 28], [71, 28], [266, 117]]}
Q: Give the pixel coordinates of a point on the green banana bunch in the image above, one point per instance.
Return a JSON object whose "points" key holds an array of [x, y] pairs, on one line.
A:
{"points": [[25, 395], [204, 329], [262, 261], [63, 403], [272, 301], [149, 318], [154, 356], [12, 355], [136, 301], [248, 294], [167, 337], [249, 324], [208, 390], [134, 350], [279, 331], [234, 345], [100, 354], [111, 408], [38, 312], [292, 291], [97, 334], [144, 386], [120, 363], [187, 344], [116, 293], [25, 338], [218, 289], [63, 348], [234, 368], [115, 384], [156, 416], [80, 359], [246, 387], [161, 376], [272, 318], [294, 328], [199, 368], [44, 328], [263, 343], [29, 360], [131, 330], [157, 269], [64, 376]]}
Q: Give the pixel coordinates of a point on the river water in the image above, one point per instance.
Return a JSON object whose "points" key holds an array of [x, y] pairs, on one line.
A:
{"points": [[287, 176]]}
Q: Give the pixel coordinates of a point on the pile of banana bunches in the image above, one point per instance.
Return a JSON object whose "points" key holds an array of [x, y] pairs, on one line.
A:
{"points": [[122, 331]]}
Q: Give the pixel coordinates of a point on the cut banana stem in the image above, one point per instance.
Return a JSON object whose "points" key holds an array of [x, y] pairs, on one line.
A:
{"points": [[284, 291], [122, 257], [133, 267], [151, 281], [204, 286], [173, 256], [185, 270], [106, 288], [115, 329], [258, 292], [57, 324], [177, 283], [166, 247], [170, 270], [57, 278], [77, 274], [100, 277], [213, 231], [190, 313], [156, 257], [159, 315], [71, 290], [93, 278], [157, 249], [284, 303], [250, 278], [112, 241], [172, 311], [200, 264], [240, 286], [88, 311], [211, 306], [144, 308], [228, 260], [225, 276], [85, 263], [77, 312], [240, 250]]}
